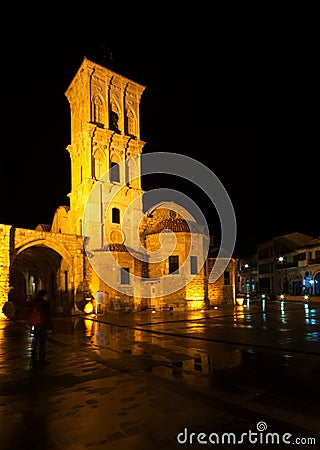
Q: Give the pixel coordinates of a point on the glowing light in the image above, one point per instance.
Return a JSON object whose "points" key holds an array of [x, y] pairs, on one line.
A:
{"points": [[88, 308], [196, 304], [282, 296], [239, 314], [239, 301]]}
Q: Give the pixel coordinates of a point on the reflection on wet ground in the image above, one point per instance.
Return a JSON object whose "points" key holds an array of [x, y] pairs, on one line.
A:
{"points": [[236, 344], [245, 362]]}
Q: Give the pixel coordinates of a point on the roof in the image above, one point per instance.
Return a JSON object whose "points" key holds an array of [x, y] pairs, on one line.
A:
{"points": [[176, 224]]}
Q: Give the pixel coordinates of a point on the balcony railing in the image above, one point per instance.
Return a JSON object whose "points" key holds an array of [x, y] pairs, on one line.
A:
{"points": [[286, 265]]}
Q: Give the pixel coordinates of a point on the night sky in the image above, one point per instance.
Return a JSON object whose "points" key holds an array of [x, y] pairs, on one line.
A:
{"points": [[234, 99]]}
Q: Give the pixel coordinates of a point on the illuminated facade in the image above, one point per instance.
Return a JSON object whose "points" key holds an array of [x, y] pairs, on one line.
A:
{"points": [[280, 266], [70, 257]]}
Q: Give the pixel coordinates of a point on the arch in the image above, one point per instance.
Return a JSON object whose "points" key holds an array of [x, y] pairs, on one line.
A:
{"points": [[316, 281], [42, 263], [34, 268], [99, 153], [62, 251], [296, 283], [114, 157], [115, 106], [114, 116], [98, 110], [131, 121]]}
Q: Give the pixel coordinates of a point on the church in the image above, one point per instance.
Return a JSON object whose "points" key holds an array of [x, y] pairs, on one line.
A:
{"points": [[115, 247]]}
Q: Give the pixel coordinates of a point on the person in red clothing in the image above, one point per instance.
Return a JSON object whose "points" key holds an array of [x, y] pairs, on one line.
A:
{"points": [[40, 332]]}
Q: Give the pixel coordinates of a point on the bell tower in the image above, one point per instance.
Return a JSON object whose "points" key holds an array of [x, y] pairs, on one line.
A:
{"points": [[105, 136]]}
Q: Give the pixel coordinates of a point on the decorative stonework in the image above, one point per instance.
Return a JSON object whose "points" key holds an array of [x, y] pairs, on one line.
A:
{"points": [[59, 256], [116, 237]]}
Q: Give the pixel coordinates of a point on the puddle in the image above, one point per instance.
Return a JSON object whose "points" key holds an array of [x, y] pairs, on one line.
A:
{"points": [[171, 373]]}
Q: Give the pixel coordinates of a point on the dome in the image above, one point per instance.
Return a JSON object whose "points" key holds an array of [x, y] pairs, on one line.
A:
{"points": [[175, 224]]}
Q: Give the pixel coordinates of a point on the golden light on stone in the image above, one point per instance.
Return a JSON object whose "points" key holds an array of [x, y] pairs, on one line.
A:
{"points": [[88, 309], [195, 304], [97, 96], [116, 237]]}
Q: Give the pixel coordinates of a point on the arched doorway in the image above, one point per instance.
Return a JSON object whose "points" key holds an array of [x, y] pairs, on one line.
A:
{"points": [[316, 280], [34, 268], [296, 284]]}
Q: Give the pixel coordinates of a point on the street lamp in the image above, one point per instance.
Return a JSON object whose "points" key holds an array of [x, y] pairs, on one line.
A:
{"points": [[247, 266], [283, 261]]}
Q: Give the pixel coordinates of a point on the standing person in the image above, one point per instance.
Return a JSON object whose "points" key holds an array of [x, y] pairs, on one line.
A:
{"points": [[306, 284], [8, 308], [40, 331]]}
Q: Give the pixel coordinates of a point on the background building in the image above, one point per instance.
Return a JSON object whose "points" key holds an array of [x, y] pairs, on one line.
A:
{"points": [[281, 265]]}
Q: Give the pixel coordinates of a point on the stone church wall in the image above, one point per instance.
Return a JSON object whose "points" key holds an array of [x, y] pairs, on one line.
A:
{"points": [[4, 264]]}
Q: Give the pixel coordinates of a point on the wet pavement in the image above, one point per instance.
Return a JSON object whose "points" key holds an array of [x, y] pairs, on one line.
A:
{"points": [[148, 381]]}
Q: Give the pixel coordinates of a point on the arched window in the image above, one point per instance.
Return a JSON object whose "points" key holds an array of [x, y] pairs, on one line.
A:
{"points": [[114, 122], [115, 172], [115, 215], [130, 122], [97, 111]]}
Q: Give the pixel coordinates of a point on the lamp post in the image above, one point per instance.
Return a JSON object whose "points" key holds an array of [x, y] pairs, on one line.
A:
{"points": [[283, 261], [247, 266]]}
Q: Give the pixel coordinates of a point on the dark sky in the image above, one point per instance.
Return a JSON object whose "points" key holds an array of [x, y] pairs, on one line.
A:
{"points": [[237, 100]]}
